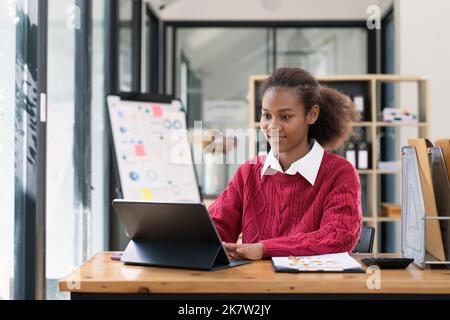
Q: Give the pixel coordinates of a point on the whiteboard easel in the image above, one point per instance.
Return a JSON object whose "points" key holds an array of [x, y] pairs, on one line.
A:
{"points": [[152, 151]]}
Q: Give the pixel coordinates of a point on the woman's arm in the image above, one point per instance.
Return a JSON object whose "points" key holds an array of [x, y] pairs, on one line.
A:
{"points": [[339, 228], [226, 211]]}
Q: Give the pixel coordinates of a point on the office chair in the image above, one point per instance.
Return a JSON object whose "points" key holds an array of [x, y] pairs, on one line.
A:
{"points": [[365, 242]]}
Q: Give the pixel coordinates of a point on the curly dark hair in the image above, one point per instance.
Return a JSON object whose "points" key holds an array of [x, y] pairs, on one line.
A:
{"points": [[337, 111]]}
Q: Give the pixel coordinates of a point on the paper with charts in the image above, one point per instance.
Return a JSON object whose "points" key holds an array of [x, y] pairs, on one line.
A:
{"points": [[326, 262], [153, 151]]}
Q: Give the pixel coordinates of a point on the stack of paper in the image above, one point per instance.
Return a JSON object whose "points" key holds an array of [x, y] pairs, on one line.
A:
{"points": [[336, 262]]}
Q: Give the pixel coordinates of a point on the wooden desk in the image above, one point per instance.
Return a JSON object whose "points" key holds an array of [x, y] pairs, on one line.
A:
{"points": [[100, 277]]}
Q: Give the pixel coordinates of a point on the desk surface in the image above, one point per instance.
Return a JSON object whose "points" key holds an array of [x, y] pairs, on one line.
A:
{"points": [[102, 275]]}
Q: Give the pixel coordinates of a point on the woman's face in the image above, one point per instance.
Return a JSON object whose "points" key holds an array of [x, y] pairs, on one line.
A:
{"points": [[283, 120]]}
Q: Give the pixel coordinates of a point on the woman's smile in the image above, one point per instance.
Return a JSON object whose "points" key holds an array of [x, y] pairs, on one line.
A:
{"points": [[277, 137], [275, 134]]}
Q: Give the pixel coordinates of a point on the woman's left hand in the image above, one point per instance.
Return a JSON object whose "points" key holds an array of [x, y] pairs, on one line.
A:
{"points": [[250, 251]]}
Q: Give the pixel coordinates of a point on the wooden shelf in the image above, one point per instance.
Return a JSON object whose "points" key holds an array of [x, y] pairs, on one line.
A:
{"points": [[355, 124], [371, 77], [376, 124], [389, 219], [363, 124], [376, 171], [367, 85], [388, 171]]}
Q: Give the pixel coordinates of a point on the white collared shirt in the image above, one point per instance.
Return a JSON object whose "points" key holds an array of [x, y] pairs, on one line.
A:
{"points": [[308, 166]]}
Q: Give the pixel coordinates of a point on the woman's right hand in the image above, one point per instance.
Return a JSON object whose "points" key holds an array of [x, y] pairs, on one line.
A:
{"points": [[249, 251], [231, 248]]}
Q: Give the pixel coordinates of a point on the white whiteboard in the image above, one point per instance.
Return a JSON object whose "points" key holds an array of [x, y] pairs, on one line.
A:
{"points": [[152, 151]]}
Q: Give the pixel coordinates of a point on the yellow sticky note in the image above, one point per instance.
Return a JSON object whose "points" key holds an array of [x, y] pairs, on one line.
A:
{"points": [[146, 194]]}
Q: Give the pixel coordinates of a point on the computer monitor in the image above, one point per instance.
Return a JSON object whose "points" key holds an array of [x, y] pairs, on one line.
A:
{"points": [[178, 235]]}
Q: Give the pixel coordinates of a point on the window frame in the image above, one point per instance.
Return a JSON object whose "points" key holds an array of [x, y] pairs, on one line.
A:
{"points": [[82, 145], [30, 151]]}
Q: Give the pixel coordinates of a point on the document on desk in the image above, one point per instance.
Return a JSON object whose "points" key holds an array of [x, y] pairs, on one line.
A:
{"points": [[336, 262]]}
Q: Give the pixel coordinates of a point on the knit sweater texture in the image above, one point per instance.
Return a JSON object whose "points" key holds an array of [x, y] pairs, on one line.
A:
{"points": [[287, 214]]}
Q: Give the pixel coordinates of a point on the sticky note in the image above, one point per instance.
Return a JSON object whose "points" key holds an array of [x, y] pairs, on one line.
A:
{"points": [[140, 150], [146, 194], [157, 111]]}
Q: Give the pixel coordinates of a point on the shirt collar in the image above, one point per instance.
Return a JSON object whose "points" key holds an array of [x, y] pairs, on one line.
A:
{"points": [[308, 166]]}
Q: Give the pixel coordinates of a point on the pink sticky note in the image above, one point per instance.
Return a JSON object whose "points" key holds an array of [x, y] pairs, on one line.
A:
{"points": [[157, 111], [140, 150]]}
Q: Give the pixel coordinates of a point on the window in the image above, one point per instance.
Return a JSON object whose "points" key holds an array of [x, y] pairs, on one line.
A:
{"points": [[390, 144], [209, 77], [125, 45], [153, 66], [211, 72], [212, 79], [206, 70], [323, 51], [7, 133], [61, 250], [74, 234]]}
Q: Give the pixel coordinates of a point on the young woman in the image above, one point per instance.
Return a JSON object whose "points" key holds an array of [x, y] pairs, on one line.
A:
{"points": [[299, 199]]}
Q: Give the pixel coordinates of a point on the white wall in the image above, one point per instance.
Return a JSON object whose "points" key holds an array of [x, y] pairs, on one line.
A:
{"points": [[422, 43], [260, 9]]}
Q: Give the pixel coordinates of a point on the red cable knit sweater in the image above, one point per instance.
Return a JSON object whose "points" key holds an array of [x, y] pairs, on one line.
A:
{"points": [[287, 214]]}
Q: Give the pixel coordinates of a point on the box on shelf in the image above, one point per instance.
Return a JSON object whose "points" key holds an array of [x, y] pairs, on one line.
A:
{"points": [[391, 210], [398, 115]]}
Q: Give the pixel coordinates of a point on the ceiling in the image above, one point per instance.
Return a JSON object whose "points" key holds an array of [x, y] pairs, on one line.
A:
{"points": [[262, 10]]}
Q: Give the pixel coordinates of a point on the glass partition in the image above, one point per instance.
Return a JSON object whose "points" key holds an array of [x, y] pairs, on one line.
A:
{"points": [[323, 51], [7, 131]]}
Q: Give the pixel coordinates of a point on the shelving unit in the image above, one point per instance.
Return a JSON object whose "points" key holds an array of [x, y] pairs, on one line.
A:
{"points": [[370, 86]]}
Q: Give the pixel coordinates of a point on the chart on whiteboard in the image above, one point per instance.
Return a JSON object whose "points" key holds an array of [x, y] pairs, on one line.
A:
{"points": [[153, 151]]}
